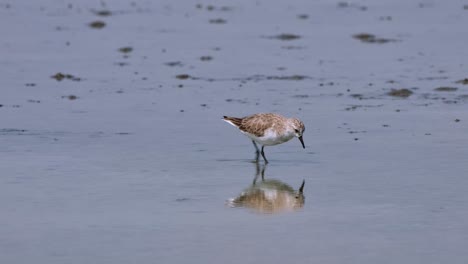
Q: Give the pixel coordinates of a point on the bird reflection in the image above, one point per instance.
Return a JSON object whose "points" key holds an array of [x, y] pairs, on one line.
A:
{"points": [[269, 196]]}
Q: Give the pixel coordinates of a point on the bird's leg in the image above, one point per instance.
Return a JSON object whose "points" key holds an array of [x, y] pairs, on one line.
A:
{"points": [[257, 172], [263, 155], [257, 151], [255, 145], [263, 171]]}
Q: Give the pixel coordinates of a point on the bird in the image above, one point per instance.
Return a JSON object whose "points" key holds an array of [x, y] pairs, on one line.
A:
{"points": [[268, 129]]}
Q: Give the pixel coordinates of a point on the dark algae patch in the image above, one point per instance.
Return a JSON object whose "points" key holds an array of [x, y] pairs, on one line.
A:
{"points": [[402, 93], [357, 96], [351, 5], [285, 36], [12, 131], [126, 49], [214, 8], [446, 89], [121, 64], [174, 63], [253, 78], [97, 24], [206, 58], [463, 81], [218, 21], [70, 97], [241, 101], [183, 76], [287, 78], [291, 47], [60, 76], [103, 13], [370, 38], [301, 96]]}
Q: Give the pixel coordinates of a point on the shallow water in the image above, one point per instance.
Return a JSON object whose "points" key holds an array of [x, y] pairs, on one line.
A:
{"points": [[128, 160]]}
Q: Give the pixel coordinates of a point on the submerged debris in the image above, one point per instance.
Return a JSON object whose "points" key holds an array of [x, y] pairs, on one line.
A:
{"points": [[174, 63], [445, 89], [385, 18], [213, 8], [121, 64], [301, 96], [241, 101], [206, 58], [254, 78], [103, 13], [12, 131], [60, 76], [183, 76], [355, 107], [70, 97], [126, 49], [357, 96], [463, 81], [370, 38], [291, 47], [218, 21], [287, 78], [285, 36], [351, 5], [402, 93], [97, 24]]}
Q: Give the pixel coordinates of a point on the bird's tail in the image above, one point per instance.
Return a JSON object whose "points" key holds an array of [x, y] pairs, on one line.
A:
{"points": [[235, 121]]}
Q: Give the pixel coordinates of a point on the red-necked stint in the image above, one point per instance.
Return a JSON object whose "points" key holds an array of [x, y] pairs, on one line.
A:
{"points": [[268, 129]]}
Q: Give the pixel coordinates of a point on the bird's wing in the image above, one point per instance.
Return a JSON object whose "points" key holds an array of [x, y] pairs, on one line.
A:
{"points": [[257, 124]]}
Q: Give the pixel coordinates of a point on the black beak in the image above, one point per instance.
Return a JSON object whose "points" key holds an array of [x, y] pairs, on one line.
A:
{"points": [[301, 189], [302, 141]]}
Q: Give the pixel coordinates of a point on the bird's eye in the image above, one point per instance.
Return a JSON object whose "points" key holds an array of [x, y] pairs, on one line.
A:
{"points": [[297, 131]]}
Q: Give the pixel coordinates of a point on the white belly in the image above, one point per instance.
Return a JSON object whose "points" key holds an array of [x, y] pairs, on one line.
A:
{"points": [[270, 138]]}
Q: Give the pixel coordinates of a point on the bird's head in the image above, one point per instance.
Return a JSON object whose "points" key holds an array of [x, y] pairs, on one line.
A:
{"points": [[299, 129]]}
